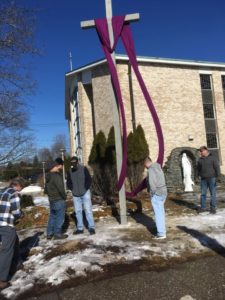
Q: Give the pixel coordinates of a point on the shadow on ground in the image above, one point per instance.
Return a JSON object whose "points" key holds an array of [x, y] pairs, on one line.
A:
{"points": [[186, 204], [22, 250], [205, 240]]}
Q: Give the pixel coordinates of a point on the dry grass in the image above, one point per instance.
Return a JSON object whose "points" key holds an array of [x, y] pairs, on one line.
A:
{"points": [[65, 248], [35, 217], [38, 216]]}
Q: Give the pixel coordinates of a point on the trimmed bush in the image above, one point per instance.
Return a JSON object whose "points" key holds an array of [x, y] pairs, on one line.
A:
{"points": [[103, 161], [97, 154], [137, 151], [110, 150]]}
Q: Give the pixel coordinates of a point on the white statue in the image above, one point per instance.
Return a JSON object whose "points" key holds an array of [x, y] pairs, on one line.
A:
{"points": [[186, 166]]}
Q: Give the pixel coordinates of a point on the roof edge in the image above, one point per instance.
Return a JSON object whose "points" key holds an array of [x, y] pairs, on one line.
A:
{"points": [[173, 61], [159, 60]]}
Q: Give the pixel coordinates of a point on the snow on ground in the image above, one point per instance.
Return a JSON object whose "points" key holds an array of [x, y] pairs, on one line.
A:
{"points": [[41, 201], [113, 243], [36, 192], [31, 189]]}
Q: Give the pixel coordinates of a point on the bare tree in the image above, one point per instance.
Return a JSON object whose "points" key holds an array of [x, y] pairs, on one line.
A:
{"points": [[44, 154], [16, 48], [59, 143], [14, 146]]}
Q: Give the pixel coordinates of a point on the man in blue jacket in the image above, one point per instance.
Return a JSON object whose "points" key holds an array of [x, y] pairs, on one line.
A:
{"points": [[209, 170], [79, 182]]}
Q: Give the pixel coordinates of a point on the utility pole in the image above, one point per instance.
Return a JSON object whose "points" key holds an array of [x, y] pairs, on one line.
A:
{"points": [[43, 170], [116, 118], [63, 157], [71, 61]]}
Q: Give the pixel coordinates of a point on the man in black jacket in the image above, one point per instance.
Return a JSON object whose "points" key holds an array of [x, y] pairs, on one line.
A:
{"points": [[209, 170], [79, 182], [55, 190]]}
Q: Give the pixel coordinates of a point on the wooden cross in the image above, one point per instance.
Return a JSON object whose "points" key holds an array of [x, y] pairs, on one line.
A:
{"points": [[116, 120]]}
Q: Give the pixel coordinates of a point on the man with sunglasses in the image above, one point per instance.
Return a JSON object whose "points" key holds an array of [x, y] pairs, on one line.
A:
{"points": [[79, 182]]}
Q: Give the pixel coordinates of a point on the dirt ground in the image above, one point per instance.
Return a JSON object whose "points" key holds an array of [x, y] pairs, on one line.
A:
{"points": [[176, 205], [138, 211]]}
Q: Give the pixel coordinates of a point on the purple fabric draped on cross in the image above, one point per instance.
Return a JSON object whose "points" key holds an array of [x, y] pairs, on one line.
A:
{"points": [[122, 29]]}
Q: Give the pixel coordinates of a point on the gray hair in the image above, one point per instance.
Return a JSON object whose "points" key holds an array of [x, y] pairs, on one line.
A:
{"points": [[18, 181]]}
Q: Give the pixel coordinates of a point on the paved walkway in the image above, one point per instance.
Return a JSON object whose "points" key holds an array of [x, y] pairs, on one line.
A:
{"points": [[202, 279]]}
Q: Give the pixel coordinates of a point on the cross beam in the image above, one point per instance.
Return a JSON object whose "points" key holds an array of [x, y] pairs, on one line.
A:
{"points": [[91, 23], [116, 118]]}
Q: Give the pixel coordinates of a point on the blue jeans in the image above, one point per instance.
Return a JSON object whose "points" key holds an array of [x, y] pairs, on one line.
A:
{"points": [[209, 183], [56, 217], [7, 250], [159, 211], [79, 203]]}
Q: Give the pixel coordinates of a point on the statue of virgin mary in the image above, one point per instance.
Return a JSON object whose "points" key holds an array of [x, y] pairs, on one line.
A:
{"points": [[186, 167]]}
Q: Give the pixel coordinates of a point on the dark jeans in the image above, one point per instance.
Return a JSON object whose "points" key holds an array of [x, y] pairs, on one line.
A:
{"points": [[209, 183], [8, 250], [56, 217]]}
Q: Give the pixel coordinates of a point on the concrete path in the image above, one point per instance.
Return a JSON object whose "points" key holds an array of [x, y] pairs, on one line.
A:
{"points": [[201, 279]]}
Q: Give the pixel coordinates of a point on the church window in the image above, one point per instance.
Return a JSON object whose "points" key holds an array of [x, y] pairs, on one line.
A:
{"points": [[209, 114], [223, 86]]}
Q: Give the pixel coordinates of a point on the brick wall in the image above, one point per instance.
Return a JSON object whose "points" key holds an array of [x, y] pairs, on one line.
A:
{"points": [[176, 93]]}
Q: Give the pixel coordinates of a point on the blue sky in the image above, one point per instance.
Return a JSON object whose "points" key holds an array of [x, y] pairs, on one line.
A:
{"points": [[193, 29]]}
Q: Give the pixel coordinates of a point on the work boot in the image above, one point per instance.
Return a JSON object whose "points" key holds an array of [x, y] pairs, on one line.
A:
{"points": [[49, 237], [92, 231], [202, 210], [213, 210], [78, 231], [60, 236]]}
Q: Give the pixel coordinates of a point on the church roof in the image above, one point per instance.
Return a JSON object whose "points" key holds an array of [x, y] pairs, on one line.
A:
{"points": [[147, 59]]}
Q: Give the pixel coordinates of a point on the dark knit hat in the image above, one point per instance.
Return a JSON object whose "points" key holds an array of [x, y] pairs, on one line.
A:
{"points": [[59, 161], [74, 158]]}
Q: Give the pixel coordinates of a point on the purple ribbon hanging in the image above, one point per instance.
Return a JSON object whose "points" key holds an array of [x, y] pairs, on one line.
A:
{"points": [[102, 29], [122, 29]]}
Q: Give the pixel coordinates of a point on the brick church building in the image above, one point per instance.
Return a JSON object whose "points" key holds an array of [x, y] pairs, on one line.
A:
{"points": [[189, 97]]}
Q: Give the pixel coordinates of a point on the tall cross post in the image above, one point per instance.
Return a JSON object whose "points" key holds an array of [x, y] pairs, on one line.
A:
{"points": [[116, 118]]}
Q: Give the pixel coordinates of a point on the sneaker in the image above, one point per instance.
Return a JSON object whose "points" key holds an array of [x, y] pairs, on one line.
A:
{"points": [[92, 231], [159, 237], [213, 210], [4, 284], [49, 237], [78, 231], [60, 236]]}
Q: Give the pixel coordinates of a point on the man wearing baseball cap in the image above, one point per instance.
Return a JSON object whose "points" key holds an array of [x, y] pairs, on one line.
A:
{"points": [[55, 190]]}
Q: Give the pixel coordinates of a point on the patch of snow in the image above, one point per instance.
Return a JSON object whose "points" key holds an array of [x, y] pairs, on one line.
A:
{"points": [[31, 189], [187, 297], [97, 208], [114, 243], [37, 215], [41, 201]]}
